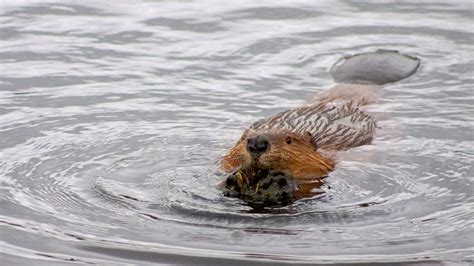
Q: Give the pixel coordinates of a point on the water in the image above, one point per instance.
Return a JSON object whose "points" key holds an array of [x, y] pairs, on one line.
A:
{"points": [[113, 116]]}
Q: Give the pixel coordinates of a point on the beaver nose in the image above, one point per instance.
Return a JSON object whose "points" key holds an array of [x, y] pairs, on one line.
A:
{"points": [[257, 145]]}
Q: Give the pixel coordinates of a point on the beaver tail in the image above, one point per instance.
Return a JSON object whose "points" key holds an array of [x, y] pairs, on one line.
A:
{"points": [[380, 67]]}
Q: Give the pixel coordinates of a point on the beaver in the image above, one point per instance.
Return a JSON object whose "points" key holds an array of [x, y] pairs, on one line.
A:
{"points": [[286, 156]]}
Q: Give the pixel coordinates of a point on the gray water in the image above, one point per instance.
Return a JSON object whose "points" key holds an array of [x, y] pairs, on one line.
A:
{"points": [[114, 115]]}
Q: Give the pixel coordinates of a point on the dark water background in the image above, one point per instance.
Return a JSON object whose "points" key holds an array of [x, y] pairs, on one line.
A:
{"points": [[113, 115]]}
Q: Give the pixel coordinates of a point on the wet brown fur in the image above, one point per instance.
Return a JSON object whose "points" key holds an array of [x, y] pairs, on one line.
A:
{"points": [[298, 158], [290, 153]]}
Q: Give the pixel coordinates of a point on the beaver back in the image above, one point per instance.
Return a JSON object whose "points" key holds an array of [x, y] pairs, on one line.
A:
{"points": [[334, 125]]}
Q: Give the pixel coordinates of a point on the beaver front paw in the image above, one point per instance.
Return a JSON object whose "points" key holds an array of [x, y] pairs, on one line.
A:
{"points": [[274, 189]]}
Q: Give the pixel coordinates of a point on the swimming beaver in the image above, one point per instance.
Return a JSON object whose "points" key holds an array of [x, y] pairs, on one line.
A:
{"points": [[285, 157]]}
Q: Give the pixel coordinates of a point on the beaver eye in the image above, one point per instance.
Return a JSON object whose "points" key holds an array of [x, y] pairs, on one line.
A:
{"points": [[288, 140]]}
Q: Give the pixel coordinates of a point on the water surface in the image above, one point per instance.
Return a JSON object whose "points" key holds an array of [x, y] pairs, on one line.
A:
{"points": [[114, 115]]}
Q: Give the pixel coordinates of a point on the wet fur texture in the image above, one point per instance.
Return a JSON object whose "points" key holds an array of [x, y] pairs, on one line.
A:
{"points": [[303, 141], [290, 153]]}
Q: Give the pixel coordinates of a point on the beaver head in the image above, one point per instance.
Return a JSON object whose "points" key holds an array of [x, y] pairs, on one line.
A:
{"points": [[295, 155]]}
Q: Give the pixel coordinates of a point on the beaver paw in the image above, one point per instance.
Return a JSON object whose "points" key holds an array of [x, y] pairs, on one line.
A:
{"points": [[272, 190]]}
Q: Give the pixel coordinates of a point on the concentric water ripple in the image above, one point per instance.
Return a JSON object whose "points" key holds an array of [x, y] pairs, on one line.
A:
{"points": [[113, 118]]}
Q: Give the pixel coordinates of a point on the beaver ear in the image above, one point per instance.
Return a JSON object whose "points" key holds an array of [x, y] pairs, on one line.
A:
{"points": [[311, 140]]}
